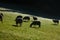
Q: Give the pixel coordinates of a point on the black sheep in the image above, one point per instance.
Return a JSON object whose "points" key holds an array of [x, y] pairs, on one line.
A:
{"points": [[35, 23], [34, 18], [56, 21], [19, 20], [1, 17], [26, 18]]}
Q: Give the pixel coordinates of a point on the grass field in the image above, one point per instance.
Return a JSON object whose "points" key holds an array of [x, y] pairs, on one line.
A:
{"points": [[47, 31]]}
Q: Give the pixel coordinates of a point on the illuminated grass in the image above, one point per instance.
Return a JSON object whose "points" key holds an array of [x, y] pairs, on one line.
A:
{"points": [[48, 31]]}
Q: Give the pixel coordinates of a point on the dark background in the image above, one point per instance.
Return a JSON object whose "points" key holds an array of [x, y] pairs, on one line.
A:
{"points": [[43, 8]]}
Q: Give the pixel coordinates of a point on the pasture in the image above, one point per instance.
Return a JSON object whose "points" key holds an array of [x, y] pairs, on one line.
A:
{"points": [[47, 31]]}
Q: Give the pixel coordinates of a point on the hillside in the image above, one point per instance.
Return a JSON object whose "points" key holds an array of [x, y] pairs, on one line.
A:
{"points": [[48, 30]]}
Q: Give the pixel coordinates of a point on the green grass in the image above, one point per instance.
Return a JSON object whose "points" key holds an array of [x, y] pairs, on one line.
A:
{"points": [[48, 31]]}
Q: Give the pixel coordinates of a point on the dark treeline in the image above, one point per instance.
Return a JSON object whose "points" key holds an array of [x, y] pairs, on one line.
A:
{"points": [[49, 7], [45, 5]]}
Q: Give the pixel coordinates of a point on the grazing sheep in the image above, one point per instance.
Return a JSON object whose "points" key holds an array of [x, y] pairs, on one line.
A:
{"points": [[34, 18], [56, 21], [1, 17], [35, 23], [26, 18], [19, 20]]}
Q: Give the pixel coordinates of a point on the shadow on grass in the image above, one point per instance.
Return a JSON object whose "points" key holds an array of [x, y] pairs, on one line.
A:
{"points": [[15, 25], [35, 27], [55, 24]]}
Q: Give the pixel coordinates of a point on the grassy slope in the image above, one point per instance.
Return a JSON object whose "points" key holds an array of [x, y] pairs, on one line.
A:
{"points": [[9, 32]]}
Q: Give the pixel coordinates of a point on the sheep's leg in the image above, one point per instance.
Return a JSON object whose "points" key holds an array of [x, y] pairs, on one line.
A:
{"points": [[16, 23], [39, 25], [31, 25], [1, 20]]}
